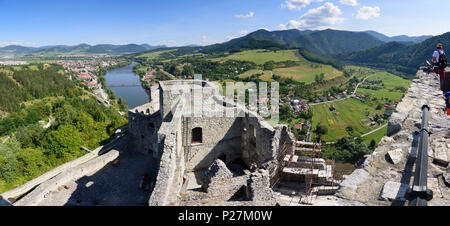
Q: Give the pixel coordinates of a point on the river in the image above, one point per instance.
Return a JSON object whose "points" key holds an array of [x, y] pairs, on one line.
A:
{"points": [[133, 95]]}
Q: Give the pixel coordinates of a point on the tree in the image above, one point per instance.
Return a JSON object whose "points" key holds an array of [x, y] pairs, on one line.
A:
{"points": [[373, 144], [122, 104], [320, 131], [188, 70], [30, 136], [64, 142], [350, 150], [285, 112], [379, 107], [31, 161], [269, 66], [9, 170], [350, 130]]}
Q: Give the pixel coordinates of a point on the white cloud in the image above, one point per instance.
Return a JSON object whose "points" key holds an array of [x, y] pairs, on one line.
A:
{"points": [[243, 32], [318, 18], [28, 44], [367, 12], [246, 16], [298, 4], [349, 2], [207, 41]]}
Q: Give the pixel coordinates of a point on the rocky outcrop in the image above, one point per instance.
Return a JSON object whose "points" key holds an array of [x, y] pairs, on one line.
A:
{"points": [[385, 175]]}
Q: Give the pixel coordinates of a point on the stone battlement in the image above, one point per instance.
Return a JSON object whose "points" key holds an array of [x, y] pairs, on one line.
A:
{"points": [[387, 174]]}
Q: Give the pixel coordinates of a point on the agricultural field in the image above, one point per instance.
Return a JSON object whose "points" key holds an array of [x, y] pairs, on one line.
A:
{"points": [[306, 72], [266, 75], [391, 86], [262, 56], [351, 112], [154, 55]]}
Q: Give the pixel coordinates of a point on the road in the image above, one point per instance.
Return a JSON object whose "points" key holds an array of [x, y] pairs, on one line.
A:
{"points": [[373, 131], [364, 135]]}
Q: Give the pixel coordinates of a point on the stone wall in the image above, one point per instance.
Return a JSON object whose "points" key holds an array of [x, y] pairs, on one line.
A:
{"points": [[144, 130], [52, 173], [385, 174], [171, 166], [221, 136], [71, 174]]}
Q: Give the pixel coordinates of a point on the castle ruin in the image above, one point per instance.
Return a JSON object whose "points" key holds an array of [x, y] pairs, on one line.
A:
{"points": [[186, 145]]}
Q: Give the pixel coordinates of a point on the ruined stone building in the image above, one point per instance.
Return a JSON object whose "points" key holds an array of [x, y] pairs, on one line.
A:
{"points": [[181, 141]]}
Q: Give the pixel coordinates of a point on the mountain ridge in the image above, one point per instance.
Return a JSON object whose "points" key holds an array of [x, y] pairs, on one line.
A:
{"points": [[18, 50]]}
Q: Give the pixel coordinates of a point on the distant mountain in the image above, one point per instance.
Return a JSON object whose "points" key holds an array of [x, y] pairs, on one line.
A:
{"points": [[401, 38], [149, 47], [325, 43], [78, 49], [398, 56], [280, 37], [329, 42], [246, 42]]}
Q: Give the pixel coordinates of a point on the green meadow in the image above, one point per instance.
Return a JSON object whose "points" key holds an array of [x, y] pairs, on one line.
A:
{"points": [[390, 90], [306, 72], [351, 112], [262, 56]]}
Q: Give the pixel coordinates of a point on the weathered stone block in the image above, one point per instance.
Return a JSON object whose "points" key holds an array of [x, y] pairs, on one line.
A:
{"points": [[355, 179], [395, 156], [447, 178], [441, 151], [395, 123], [394, 191]]}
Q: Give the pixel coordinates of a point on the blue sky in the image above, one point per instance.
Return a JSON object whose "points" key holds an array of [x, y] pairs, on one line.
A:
{"points": [[182, 22]]}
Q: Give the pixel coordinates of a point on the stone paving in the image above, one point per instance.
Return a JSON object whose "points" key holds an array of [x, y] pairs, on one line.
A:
{"points": [[114, 185]]}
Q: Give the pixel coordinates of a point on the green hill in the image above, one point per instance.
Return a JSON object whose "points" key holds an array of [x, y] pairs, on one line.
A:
{"points": [[75, 50], [400, 38], [326, 42], [396, 56]]}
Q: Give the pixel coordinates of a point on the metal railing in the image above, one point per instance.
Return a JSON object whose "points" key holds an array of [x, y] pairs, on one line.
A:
{"points": [[419, 194]]}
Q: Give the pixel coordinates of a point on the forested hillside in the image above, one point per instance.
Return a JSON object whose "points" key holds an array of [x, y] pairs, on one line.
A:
{"points": [[41, 94], [397, 56]]}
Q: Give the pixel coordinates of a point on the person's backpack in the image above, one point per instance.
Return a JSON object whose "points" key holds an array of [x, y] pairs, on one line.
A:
{"points": [[442, 60]]}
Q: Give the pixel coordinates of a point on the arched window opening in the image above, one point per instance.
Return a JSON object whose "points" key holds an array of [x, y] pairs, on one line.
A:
{"points": [[197, 136]]}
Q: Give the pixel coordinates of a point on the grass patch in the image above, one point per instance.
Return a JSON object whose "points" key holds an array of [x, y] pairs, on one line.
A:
{"points": [[389, 91], [377, 136], [262, 56], [266, 75], [307, 72], [352, 112], [154, 55]]}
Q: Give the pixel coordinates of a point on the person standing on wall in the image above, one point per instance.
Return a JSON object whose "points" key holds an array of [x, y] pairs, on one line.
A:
{"points": [[440, 63]]}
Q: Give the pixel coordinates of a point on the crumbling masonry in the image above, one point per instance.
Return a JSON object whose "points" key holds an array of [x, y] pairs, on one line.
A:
{"points": [[186, 146]]}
